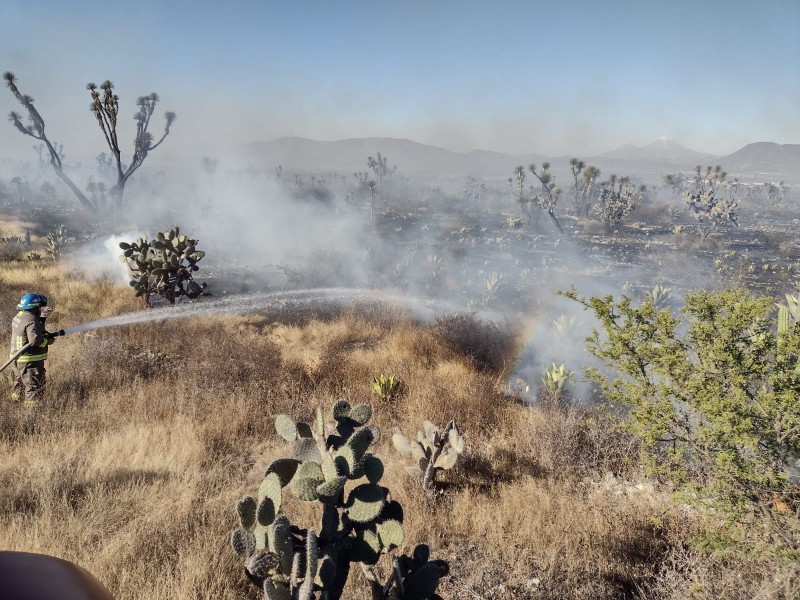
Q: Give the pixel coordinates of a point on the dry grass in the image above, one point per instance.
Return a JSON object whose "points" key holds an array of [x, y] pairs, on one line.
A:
{"points": [[151, 432]]}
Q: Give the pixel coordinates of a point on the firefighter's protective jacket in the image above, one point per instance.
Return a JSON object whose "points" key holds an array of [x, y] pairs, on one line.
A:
{"points": [[27, 327]]}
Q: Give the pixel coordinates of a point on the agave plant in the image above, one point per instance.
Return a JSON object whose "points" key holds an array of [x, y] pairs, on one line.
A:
{"points": [[659, 296], [556, 378], [565, 327], [386, 387]]}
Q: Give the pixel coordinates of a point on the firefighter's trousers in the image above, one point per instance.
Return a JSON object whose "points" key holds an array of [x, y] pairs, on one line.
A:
{"points": [[28, 382]]}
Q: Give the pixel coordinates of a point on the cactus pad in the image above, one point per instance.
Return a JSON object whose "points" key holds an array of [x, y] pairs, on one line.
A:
{"points": [[456, 441], [341, 434], [421, 555], [306, 450], [305, 488], [447, 460], [326, 572], [284, 468], [312, 555], [359, 442], [401, 444], [376, 433], [276, 591], [286, 427], [422, 583], [345, 461], [430, 430], [373, 468], [266, 512], [310, 470], [246, 507], [329, 491], [423, 441], [329, 469], [419, 452], [261, 564], [271, 488], [243, 542], [341, 410], [330, 521], [391, 534], [365, 503], [304, 430], [361, 413], [392, 510], [281, 542], [319, 424], [366, 547]]}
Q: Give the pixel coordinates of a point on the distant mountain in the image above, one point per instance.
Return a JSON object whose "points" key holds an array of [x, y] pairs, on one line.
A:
{"points": [[764, 157], [662, 156], [411, 157], [663, 150]]}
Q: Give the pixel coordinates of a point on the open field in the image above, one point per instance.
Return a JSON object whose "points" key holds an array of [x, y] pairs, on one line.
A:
{"points": [[151, 433]]}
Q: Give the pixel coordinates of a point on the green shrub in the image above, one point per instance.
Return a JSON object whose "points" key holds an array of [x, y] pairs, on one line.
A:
{"points": [[715, 399]]}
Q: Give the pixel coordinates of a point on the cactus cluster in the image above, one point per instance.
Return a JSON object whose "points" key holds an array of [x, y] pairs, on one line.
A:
{"points": [[433, 450], [712, 209], [614, 204], [163, 266], [358, 524], [56, 242]]}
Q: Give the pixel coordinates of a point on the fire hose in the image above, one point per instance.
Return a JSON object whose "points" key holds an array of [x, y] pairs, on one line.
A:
{"points": [[22, 350]]}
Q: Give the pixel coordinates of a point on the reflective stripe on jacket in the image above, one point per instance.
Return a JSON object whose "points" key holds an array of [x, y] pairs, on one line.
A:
{"points": [[27, 327]]}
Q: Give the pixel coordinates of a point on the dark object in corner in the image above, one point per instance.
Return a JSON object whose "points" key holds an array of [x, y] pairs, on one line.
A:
{"points": [[27, 576]]}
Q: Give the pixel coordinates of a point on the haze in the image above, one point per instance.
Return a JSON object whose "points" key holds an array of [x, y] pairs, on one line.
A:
{"points": [[518, 77]]}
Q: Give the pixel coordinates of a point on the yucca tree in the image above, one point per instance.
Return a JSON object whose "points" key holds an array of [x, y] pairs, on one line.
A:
{"points": [[380, 166], [36, 129], [576, 166], [589, 188], [105, 107], [519, 178], [548, 197], [371, 185]]}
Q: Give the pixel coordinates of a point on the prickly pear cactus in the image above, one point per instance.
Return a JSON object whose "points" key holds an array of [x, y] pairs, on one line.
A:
{"points": [[163, 266], [433, 451], [359, 522]]}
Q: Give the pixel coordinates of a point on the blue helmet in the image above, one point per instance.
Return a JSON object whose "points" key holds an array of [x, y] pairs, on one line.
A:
{"points": [[32, 301]]}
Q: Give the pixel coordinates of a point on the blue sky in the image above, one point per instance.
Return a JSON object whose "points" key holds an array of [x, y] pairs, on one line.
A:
{"points": [[551, 77]]}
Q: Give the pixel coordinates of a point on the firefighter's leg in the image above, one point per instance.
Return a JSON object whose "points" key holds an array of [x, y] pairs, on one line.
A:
{"points": [[33, 376], [15, 379]]}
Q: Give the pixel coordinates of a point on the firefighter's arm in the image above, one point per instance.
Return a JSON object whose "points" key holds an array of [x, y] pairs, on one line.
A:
{"points": [[36, 334]]}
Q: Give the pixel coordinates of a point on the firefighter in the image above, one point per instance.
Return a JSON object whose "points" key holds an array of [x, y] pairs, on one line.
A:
{"points": [[28, 369]]}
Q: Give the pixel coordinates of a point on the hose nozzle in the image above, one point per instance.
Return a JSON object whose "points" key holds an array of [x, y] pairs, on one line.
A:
{"points": [[55, 334]]}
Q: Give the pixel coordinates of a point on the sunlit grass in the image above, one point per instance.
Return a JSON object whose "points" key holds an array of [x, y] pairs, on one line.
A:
{"points": [[151, 432]]}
